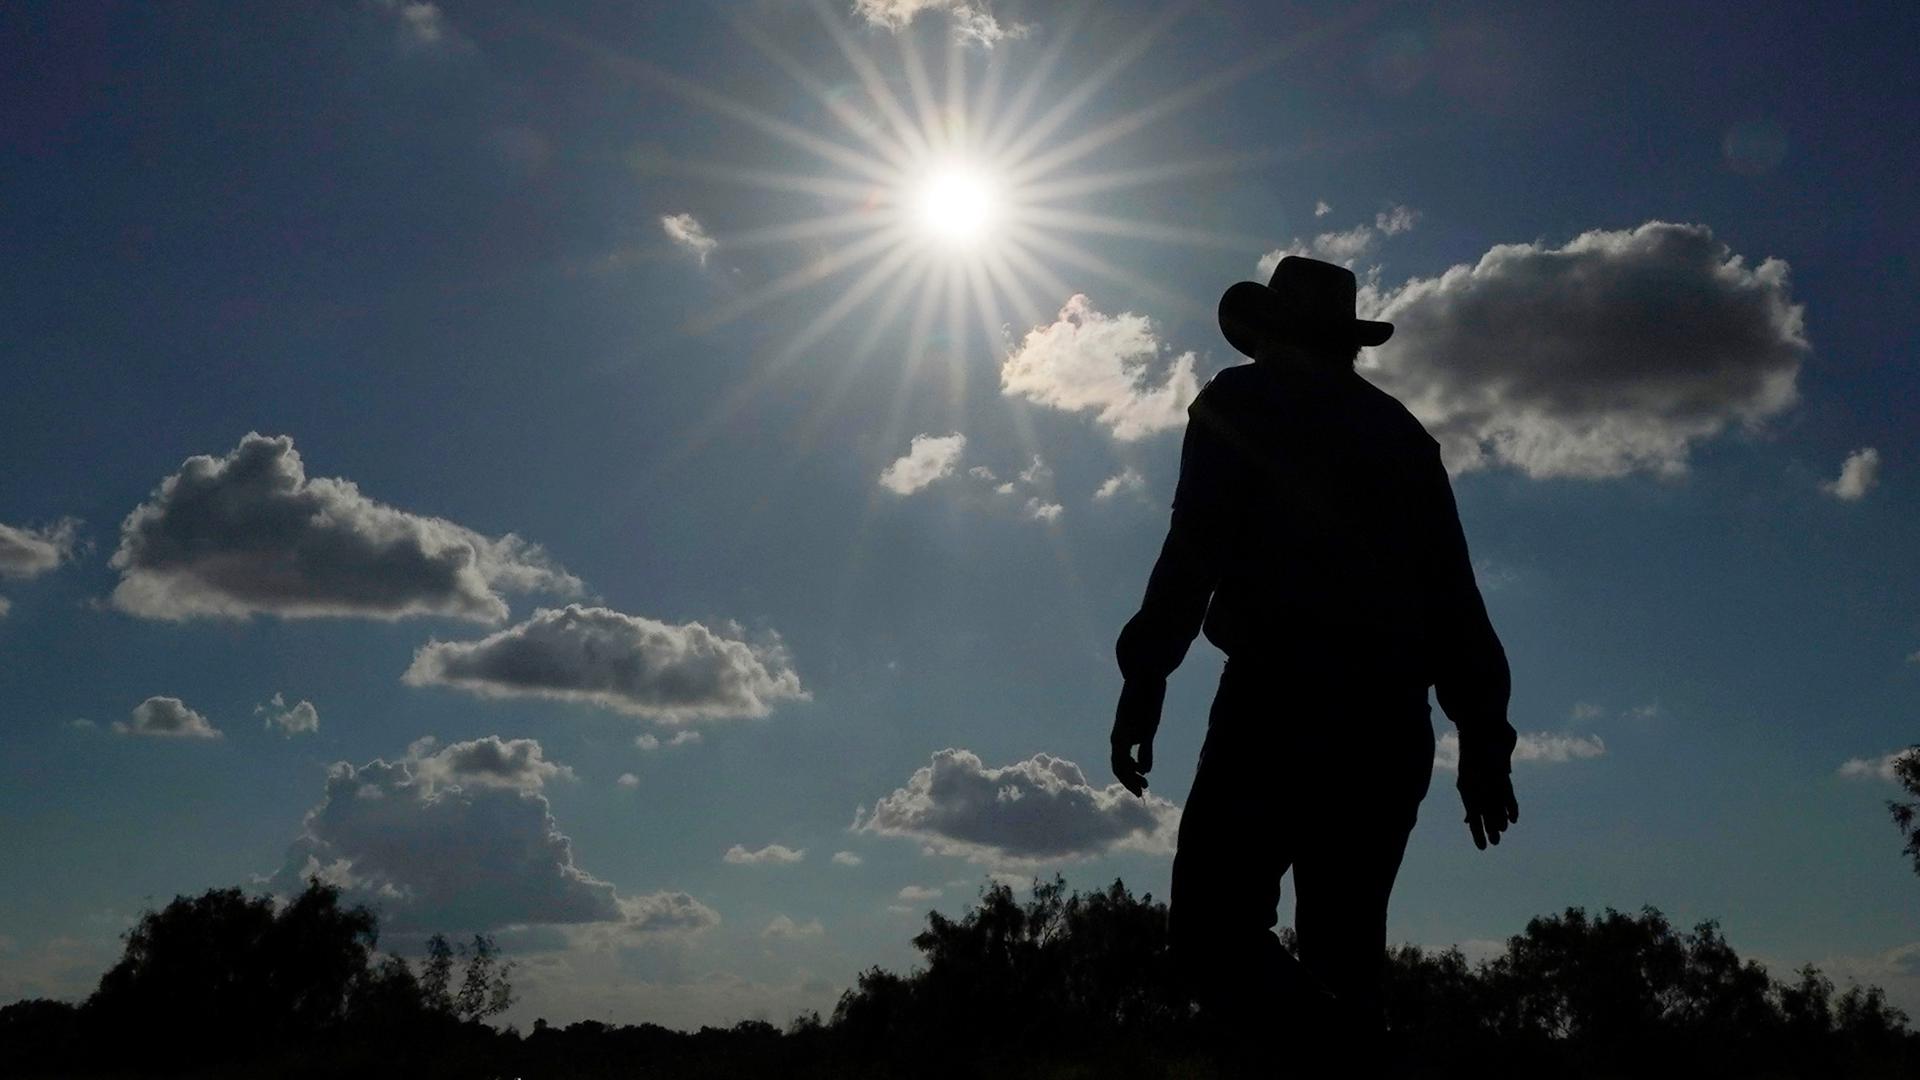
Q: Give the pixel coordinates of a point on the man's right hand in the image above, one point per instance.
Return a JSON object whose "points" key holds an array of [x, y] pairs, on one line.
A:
{"points": [[1134, 722], [1486, 787]]}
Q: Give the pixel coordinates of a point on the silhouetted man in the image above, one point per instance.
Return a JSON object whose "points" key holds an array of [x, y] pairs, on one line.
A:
{"points": [[1315, 536]]}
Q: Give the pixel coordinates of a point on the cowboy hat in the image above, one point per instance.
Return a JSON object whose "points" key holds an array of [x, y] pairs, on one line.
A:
{"points": [[1307, 298]]}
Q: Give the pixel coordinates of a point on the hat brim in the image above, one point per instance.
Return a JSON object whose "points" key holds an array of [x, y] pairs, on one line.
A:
{"points": [[1250, 314]]}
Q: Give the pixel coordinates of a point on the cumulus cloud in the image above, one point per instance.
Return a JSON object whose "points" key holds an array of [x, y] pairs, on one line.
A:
{"points": [[1127, 481], [972, 20], [167, 718], [251, 533], [301, 719], [846, 858], [27, 552], [1874, 768], [489, 761], [1542, 747], [772, 853], [1109, 365], [453, 840], [1039, 809], [628, 780], [647, 740], [1859, 474], [1321, 209], [626, 663], [928, 458], [689, 235], [918, 894], [1610, 355], [783, 928], [665, 912]]}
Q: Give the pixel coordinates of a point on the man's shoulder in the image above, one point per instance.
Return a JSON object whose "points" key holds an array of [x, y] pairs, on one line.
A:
{"points": [[1393, 413]]}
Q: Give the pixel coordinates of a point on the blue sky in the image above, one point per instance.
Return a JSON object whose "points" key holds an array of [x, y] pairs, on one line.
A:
{"points": [[644, 309]]}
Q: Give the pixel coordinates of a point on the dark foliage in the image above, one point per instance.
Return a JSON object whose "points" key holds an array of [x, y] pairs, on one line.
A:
{"points": [[1906, 815], [1061, 985]]}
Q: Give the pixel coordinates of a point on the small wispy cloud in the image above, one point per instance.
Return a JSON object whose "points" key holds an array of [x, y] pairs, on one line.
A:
{"points": [[1859, 474], [1127, 481], [738, 855], [689, 235], [1543, 747], [1343, 246], [1874, 768], [647, 740], [928, 458], [846, 858]]}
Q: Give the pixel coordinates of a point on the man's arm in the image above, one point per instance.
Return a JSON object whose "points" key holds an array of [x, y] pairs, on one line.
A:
{"points": [[1472, 681], [1156, 639]]}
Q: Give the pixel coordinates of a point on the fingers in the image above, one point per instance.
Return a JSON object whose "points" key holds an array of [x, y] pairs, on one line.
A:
{"points": [[1479, 832], [1146, 755]]}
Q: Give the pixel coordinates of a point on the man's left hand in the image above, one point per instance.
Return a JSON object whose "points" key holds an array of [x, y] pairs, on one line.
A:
{"points": [[1134, 723]]}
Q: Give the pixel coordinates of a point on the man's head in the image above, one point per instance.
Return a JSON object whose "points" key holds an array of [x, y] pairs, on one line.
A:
{"points": [[1307, 307]]}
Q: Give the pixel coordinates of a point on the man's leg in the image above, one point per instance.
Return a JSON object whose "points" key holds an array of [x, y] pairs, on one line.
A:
{"points": [[1343, 874], [1233, 849]]}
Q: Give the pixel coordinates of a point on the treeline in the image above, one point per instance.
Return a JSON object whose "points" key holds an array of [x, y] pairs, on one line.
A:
{"points": [[1059, 985]]}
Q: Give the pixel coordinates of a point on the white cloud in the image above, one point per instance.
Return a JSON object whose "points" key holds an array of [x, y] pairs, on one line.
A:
{"points": [[1040, 510], [783, 928], [1612, 354], [455, 840], [628, 780], [846, 858], [928, 458], [1321, 209], [1859, 474], [249, 533], [982, 473], [772, 853], [1878, 768], [972, 20], [1037, 473], [647, 740], [1109, 365], [27, 552], [1126, 481], [689, 235], [1542, 747], [626, 663], [6, 605], [918, 894], [168, 718], [1039, 809]]}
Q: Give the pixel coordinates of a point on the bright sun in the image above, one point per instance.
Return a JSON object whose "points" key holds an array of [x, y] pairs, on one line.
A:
{"points": [[955, 204]]}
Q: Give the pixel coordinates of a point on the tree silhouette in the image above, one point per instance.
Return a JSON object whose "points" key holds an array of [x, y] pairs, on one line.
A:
{"points": [[1060, 984], [1906, 815]]}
